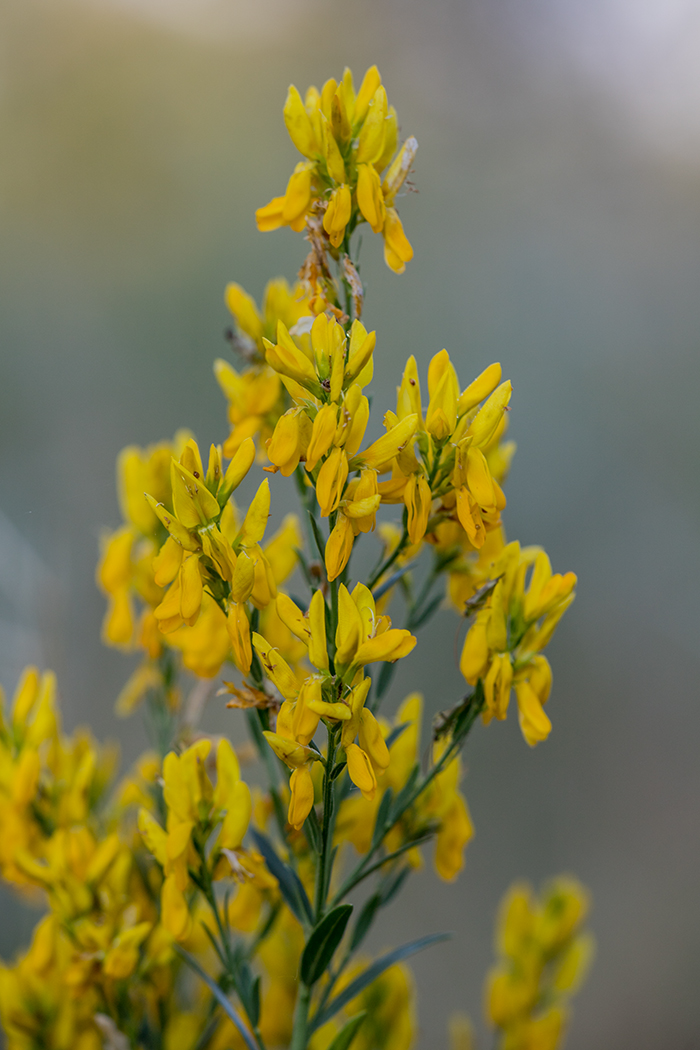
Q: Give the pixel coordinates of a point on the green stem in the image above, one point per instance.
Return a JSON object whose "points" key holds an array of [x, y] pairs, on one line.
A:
{"points": [[382, 861], [256, 723], [363, 868], [308, 504], [421, 599], [322, 866], [301, 1019]]}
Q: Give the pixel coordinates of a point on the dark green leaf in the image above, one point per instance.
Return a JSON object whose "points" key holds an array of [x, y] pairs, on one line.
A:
{"points": [[290, 885], [380, 824], [365, 920], [323, 942], [372, 972], [248, 988], [318, 537], [313, 831], [338, 770], [255, 1001], [392, 883], [348, 1032], [219, 996], [385, 676], [403, 799]]}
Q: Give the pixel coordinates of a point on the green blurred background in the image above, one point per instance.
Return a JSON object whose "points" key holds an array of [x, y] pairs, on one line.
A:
{"points": [[557, 229]]}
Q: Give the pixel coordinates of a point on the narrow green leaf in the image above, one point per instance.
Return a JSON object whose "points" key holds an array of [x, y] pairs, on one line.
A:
{"points": [[380, 824], [379, 591], [323, 942], [248, 988], [289, 882], [365, 920], [320, 544], [385, 676], [348, 1032], [402, 800], [219, 996], [392, 883], [372, 972], [313, 831], [338, 770]]}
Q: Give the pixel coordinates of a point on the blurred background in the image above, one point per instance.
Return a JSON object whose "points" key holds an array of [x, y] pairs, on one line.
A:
{"points": [[557, 229]]}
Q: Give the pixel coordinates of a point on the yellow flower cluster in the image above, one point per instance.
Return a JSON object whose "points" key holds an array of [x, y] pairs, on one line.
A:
{"points": [[348, 139], [182, 869], [543, 960], [503, 646]]}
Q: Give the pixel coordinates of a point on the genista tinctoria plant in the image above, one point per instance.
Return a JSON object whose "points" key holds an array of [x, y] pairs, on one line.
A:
{"points": [[182, 910]]}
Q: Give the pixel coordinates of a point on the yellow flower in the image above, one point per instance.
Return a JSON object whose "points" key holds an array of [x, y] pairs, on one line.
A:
{"points": [[362, 637], [289, 441]]}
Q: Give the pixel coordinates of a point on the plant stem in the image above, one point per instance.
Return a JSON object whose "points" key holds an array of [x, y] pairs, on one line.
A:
{"points": [[301, 1018], [363, 868], [321, 868]]}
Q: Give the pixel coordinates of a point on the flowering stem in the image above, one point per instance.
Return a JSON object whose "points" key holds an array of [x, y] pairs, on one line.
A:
{"points": [[364, 869], [322, 867]]}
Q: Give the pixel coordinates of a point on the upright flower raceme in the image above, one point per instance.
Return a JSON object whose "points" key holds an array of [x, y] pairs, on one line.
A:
{"points": [[348, 140], [181, 866], [503, 645]]}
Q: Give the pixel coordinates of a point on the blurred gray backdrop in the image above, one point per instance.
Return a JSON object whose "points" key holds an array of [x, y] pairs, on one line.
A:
{"points": [[556, 229]]}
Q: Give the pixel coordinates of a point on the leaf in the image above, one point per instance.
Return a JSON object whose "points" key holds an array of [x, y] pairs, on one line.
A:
{"points": [[403, 799], [323, 942], [219, 996], [248, 988], [385, 676], [392, 883], [426, 613], [318, 537], [337, 770], [396, 733], [373, 972], [380, 824], [365, 920], [313, 831], [389, 583], [290, 885], [348, 1032]]}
